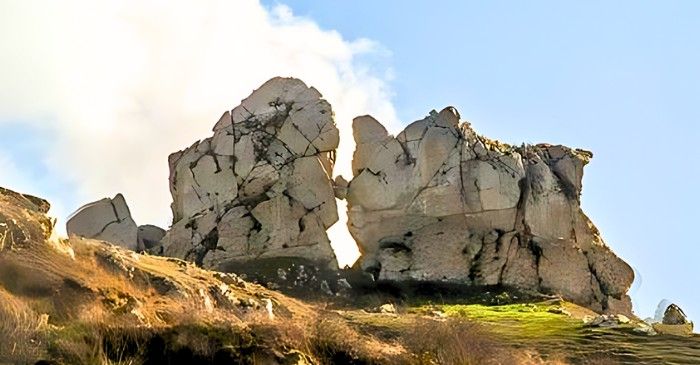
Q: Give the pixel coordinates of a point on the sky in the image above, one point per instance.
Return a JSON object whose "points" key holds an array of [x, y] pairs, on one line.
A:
{"points": [[95, 96]]}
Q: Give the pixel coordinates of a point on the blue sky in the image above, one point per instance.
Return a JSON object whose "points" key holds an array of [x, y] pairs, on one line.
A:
{"points": [[619, 78], [98, 113]]}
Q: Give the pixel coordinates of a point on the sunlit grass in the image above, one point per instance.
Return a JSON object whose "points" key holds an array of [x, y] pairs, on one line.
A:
{"points": [[518, 320]]}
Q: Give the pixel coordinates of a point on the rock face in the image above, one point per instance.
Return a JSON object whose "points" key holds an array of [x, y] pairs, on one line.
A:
{"points": [[261, 186], [106, 219], [22, 220], [149, 236], [439, 203]]}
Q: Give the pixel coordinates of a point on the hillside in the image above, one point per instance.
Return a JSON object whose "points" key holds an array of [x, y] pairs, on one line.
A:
{"points": [[81, 301]]}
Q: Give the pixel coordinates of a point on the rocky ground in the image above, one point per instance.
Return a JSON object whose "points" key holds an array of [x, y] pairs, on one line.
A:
{"points": [[84, 301]]}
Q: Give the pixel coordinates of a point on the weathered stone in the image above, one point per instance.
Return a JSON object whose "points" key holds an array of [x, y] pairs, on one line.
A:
{"points": [[261, 187], [149, 236], [674, 315], [439, 203], [608, 320], [23, 220], [340, 187], [387, 309], [106, 219]]}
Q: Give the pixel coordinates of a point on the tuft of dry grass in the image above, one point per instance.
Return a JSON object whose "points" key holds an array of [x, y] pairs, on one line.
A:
{"points": [[326, 338], [21, 339], [455, 342]]}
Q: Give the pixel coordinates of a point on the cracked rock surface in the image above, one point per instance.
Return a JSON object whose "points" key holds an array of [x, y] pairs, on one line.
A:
{"points": [[261, 186], [106, 219], [440, 203]]}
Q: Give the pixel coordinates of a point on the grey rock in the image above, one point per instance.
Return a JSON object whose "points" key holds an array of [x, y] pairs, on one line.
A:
{"points": [[106, 219], [608, 320], [440, 203], [344, 284], [149, 236], [387, 308], [340, 187], [644, 328], [674, 315], [325, 288], [559, 310], [261, 186]]}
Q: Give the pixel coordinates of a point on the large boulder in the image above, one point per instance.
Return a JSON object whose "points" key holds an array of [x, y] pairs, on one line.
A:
{"points": [[260, 187], [107, 220], [149, 236], [440, 203]]}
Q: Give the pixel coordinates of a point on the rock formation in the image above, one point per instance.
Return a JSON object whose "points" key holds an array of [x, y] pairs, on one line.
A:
{"points": [[437, 203], [259, 188], [672, 320], [674, 315], [440, 203], [22, 220], [149, 236], [106, 219]]}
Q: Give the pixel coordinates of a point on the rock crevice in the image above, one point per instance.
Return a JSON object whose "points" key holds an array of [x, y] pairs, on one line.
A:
{"points": [[437, 203], [261, 186], [441, 203]]}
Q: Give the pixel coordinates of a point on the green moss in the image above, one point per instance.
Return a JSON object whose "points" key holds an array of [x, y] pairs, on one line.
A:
{"points": [[518, 320], [534, 325]]}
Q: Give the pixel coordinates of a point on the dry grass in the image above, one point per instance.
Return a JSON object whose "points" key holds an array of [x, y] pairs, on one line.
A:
{"points": [[104, 306], [21, 339], [455, 342], [336, 341], [327, 339]]}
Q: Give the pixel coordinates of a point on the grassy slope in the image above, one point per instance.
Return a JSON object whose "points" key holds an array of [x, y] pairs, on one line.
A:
{"points": [[87, 302], [82, 301], [556, 338]]}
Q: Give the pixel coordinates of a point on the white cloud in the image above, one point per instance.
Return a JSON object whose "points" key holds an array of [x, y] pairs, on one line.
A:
{"points": [[122, 84]]}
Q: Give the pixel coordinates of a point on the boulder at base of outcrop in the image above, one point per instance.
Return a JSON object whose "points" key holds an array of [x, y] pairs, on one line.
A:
{"points": [[107, 220], [440, 203], [260, 187], [149, 236]]}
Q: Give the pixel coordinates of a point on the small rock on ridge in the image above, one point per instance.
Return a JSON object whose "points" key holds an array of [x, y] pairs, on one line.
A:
{"points": [[674, 315]]}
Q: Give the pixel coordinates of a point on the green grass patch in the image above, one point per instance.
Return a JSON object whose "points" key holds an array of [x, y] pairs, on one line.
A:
{"points": [[516, 320]]}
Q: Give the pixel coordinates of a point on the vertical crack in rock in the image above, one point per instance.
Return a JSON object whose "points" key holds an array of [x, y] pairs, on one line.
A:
{"points": [[436, 203], [480, 212], [106, 219], [260, 188]]}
